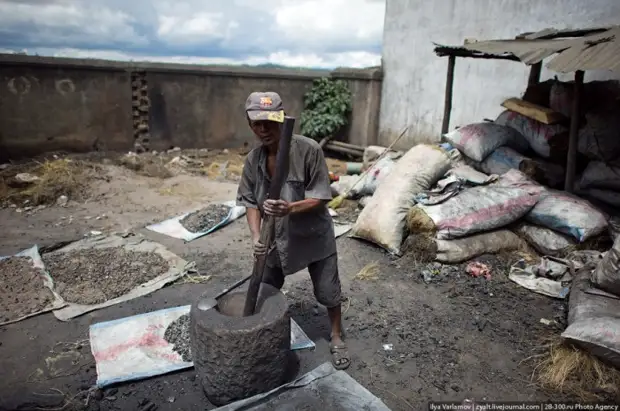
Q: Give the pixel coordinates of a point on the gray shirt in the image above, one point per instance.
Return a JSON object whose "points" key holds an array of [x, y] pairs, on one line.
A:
{"points": [[302, 238]]}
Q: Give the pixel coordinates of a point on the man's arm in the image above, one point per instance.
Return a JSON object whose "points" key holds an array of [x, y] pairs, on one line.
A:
{"points": [[254, 219], [245, 197], [318, 190]]}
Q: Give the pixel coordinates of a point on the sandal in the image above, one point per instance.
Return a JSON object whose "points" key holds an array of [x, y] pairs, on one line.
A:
{"points": [[340, 356]]}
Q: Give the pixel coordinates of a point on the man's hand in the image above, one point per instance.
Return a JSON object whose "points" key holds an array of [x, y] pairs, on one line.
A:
{"points": [[259, 248], [277, 208]]}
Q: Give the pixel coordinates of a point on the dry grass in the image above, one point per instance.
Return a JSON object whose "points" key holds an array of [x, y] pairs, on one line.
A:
{"points": [[147, 165], [55, 178], [418, 222], [575, 372], [369, 272]]}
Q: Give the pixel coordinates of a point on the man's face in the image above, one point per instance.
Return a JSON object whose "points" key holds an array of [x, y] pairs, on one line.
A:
{"points": [[267, 132]]}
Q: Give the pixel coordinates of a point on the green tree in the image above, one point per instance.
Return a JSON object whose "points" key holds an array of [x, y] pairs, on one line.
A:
{"points": [[327, 106]]}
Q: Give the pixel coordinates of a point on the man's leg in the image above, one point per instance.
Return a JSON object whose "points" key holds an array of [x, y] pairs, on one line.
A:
{"points": [[327, 290]]}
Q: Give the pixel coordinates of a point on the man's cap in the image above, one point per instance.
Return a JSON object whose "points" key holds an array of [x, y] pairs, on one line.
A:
{"points": [[265, 105]]}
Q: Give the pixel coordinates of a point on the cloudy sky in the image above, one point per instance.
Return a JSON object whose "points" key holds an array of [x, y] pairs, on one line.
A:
{"points": [[311, 33]]}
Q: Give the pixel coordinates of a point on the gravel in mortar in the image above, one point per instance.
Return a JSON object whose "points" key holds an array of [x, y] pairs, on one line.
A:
{"points": [[94, 276], [177, 334], [22, 290], [206, 218]]}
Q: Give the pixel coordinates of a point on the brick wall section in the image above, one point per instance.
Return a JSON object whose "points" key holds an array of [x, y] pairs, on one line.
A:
{"points": [[59, 104]]}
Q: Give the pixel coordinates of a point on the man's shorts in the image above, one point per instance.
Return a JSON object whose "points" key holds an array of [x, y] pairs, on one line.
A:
{"points": [[324, 275]]}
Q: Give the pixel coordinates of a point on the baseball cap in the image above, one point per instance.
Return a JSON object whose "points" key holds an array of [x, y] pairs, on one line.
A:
{"points": [[265, 105]]}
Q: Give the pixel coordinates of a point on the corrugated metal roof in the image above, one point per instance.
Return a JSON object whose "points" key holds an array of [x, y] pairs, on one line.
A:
{"points": [[595, 52], [600, 51]]}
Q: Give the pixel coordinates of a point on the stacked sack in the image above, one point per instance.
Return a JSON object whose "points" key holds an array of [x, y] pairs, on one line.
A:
{"points": [[513, 141], [599, 137]]}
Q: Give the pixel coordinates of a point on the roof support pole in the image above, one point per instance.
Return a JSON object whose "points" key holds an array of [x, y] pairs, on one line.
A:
{"points": [[575, 120], [535, 71], [447, 107]]}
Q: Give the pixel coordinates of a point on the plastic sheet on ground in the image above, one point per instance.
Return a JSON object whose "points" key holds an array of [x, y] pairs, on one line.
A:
{"points": [[177, 268], [46, 281], [324, 388], [526, 276], [173, 228], [594, 319], [134, 348]]}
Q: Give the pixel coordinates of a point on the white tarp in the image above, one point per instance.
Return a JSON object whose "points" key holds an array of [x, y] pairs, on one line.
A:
{"points": [[338, 391], [177, 268], [173, 228], [134, 348]]}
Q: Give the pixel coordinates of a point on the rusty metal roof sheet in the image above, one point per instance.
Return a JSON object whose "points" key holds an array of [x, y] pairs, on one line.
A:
{"points": [[598, 51]]}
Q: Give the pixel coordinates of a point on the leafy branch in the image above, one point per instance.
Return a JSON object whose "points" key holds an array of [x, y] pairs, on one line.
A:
{"points": [[327, 106]]}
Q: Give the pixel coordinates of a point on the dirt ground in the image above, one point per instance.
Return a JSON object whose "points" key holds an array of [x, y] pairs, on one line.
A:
{"points": [[412, 341]]}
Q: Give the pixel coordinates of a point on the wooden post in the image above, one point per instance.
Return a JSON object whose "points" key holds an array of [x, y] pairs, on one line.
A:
{"points": [[575, 120], [447, 107], [535, 74]]}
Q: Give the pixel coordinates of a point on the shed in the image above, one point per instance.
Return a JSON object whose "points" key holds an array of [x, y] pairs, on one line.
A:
{"points": [[570, 51]]}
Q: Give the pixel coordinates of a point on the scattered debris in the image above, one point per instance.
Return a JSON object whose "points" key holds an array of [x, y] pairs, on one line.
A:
{"points": [[369, 272], [206, 218], [477, 269], [22, 290], [44, 183], [97, 275], [177, 334]]}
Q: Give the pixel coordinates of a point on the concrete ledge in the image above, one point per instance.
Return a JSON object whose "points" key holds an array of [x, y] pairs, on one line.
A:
{"points": [[373, 73]]}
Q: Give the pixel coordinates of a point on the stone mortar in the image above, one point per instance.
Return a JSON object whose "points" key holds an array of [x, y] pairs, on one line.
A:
{"points": [[237, 357]]}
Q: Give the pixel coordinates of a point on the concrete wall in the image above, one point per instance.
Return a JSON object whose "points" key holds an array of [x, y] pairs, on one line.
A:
{"points": [[81, 105], [414, 77]]}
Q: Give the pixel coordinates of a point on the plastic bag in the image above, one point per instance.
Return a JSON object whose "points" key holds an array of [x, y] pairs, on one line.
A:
{"points": [[377, 173], [541, 137], [464, 249], [504, 159], [600, 175], [599, 138], [593, 320], [371, 153], [382, 221], [474, 210], [478, 140], [568, 214], [545, 240], [606, 276]]}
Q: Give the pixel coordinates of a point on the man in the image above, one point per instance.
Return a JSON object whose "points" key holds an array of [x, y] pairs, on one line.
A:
{"points": [[304, 232]]}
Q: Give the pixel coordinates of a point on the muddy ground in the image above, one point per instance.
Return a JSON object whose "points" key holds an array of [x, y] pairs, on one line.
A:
{"points": [[412, 341]]}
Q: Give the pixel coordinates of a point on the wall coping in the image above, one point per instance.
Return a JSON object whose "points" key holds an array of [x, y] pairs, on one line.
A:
{"points": [[371, 73]]}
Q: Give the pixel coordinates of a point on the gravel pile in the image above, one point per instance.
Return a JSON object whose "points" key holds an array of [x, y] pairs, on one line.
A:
{"points": [[22, 290], [206, 218], [94, 276], [177, 334]]}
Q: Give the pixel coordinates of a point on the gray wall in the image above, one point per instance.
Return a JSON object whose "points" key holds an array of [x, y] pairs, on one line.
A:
{"points": [[81, 105], [414, 77]]}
